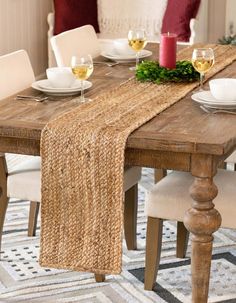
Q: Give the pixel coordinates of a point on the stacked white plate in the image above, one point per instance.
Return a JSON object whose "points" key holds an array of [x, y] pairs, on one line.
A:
{"points": [[112, 55], [45, 87], [206, 99]]}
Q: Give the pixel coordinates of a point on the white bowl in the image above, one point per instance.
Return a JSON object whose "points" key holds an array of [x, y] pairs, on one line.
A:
{"points": [[60, 77], [121, 47], [223, 89]]}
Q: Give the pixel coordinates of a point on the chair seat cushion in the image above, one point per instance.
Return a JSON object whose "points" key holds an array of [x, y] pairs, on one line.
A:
{"points": [[15, 159], [169, 199], [24, 180]]}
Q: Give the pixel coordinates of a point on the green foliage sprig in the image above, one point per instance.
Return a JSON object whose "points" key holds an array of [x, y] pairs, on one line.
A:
{"points": [[228, 40], [151, 71]]}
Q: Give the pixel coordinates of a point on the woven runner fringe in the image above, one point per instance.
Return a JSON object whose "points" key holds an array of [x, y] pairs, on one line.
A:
{"points": [[82, 170]]}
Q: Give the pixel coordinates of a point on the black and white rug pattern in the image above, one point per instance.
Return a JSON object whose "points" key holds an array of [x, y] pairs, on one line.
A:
{"points": [[23, 280]]}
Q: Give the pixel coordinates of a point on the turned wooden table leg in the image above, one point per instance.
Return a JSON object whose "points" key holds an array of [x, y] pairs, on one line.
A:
{"points": [[202, 220]]}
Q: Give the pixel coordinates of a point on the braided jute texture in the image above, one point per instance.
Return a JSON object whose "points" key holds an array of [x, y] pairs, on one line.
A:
{"points": [[83, 165]]}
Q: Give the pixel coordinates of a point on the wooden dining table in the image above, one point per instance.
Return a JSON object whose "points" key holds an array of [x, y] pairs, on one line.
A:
{"points": [[182, 137]]}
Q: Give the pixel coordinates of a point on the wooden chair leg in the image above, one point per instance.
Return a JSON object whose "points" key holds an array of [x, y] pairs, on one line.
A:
{"points": [[159, 174], [3, 194], [130, 217], [33, 217], [99, 278], [182, 240], [222, 165], [3, 208], [153, 251]]}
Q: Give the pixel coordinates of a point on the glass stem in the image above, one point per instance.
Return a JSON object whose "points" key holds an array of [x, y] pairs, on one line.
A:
{"points": [[82, 91], [201, 80], [137, 60]]}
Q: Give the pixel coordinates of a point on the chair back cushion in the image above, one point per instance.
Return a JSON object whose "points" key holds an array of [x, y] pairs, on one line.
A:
{"points": [[78, 41], [70, 14], [16, 73], [116, 17], [177, 17]]}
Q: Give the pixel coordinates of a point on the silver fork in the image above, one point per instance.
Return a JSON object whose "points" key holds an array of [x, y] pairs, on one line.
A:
{"points": [[216, 111], [35, 98], [110, 64]]}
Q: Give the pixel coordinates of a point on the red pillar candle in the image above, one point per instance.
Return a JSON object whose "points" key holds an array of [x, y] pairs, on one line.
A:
{"points": [[167, 53]]}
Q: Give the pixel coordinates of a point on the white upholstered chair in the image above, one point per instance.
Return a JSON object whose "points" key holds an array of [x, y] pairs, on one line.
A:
{"points": [[80, 41], [16, 74], [163, 203], [23, 181]]}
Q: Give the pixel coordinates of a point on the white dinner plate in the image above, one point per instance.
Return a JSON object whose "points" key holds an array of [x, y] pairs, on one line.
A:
{"points": [[45, 84], [126, 58], [74, 90], [211, 104], [207, 96]]}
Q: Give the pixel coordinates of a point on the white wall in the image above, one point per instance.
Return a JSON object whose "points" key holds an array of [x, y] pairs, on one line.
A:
{"points": [[23, 24], [230, 15], [216, 19], [210, 25]]}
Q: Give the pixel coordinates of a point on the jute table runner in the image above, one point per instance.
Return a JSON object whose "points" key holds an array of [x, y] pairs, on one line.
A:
{"points": [[82, 170]]}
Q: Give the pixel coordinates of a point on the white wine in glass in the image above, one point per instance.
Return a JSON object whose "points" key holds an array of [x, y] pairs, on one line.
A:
{"points": [[82, 68], [202, 60], [137, 40]]}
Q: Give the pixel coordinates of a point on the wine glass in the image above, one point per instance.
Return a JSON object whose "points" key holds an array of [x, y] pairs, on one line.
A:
{"points": [[82, 68], [137, 40], [202, 60]]}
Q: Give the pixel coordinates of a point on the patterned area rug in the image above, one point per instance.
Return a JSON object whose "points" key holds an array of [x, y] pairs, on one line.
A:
{"points": [[23, 280]]}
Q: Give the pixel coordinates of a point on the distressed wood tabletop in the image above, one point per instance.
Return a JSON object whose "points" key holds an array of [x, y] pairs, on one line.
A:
{"points": [[183, 128]]}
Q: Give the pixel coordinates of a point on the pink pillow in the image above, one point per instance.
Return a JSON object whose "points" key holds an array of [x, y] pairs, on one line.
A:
{"points": [[70, 14], [177, 17]]}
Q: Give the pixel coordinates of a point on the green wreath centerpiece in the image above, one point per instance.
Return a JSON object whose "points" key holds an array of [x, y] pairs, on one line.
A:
{"points": [[151, 71]]}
